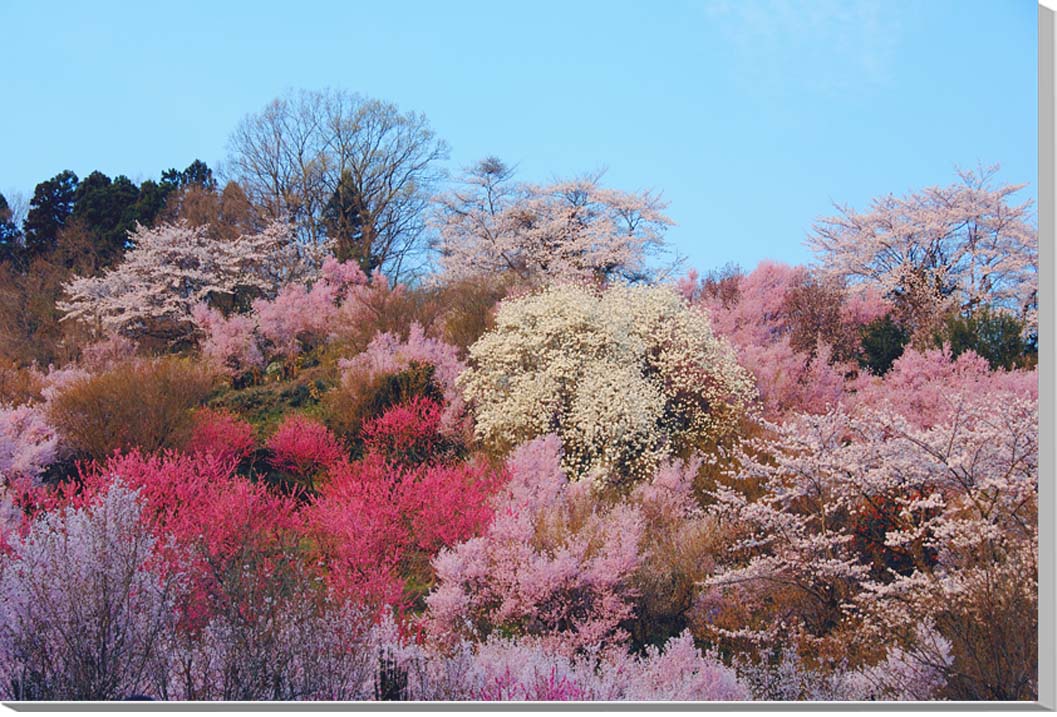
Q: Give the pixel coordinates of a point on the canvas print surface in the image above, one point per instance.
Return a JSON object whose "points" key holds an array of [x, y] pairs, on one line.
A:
{"points": [[594, 353]]}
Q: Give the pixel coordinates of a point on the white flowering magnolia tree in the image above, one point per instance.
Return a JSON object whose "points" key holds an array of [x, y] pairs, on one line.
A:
{"points": [[969, 241], [626, 376], [568, 231], [173, 267]]}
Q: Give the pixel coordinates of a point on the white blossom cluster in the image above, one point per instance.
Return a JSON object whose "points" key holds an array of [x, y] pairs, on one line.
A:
{"points": [[626, 376], [171, 268]]}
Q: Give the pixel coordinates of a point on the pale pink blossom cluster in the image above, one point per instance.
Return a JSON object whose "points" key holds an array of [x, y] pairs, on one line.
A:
{"points": [[927, 387], [968, 238], [28, 443], [299, 317], [572, 230]]}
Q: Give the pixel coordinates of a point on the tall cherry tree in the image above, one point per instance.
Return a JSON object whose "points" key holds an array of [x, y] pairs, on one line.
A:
{"points": [[570, 230], [969, 242]]}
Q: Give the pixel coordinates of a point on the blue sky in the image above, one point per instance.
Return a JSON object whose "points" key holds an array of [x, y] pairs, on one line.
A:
{"points": [[752, 116]]}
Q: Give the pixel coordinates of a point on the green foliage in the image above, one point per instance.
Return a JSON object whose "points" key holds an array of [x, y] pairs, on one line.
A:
{"points": [[996, 336], [197, 173], [9, 233], [265, 406], [883, 341], [105, 209], [49, 210]]}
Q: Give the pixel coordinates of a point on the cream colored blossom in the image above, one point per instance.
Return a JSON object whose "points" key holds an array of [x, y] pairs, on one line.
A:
{"points": [[627, 376]]}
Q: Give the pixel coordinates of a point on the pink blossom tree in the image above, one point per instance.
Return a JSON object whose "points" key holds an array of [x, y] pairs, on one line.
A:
{"points": [[969, 241], [549, 566], [571, 230], [171, 268]]}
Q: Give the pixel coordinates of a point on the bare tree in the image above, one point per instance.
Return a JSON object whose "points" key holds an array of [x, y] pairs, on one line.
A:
{"points": [[349, 171]]}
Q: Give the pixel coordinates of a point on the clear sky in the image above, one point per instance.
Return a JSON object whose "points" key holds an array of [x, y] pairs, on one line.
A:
{"points": [[752, 116]]}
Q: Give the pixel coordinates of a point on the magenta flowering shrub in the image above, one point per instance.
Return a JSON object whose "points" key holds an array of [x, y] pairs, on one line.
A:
{"points": [[377, 522], [221, 434], [408, 433], [304, 449]]}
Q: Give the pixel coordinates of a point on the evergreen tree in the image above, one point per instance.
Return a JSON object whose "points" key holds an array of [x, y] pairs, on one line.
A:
{"points": [[105, 209], [9, 233], [49, 210], [343, 224]]}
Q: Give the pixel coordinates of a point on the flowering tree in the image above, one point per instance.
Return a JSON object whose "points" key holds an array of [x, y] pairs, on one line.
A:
{"points": [[388, 354], [966, 241], [171, 268], [869, 526], [928, 387], [795, 332], [571, 230], [298, 318], [626, 377], [549, 566], [527, 669], [28, 443], [83, 615]]}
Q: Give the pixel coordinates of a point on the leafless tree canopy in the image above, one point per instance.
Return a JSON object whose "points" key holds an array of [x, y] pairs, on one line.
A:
{"points": [[347, 170]]}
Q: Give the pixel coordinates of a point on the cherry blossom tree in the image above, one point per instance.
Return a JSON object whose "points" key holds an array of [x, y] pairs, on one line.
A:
{"points": [[171, 268], [865, 525], [570, 230], [968, 241], [83, 614]]}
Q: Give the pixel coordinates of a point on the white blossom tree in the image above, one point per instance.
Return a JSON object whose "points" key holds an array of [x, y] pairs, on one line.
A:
{"points": [[861, 529], [627, 377], [571, 230], [171, 268], [968, 241], [84, 613]]}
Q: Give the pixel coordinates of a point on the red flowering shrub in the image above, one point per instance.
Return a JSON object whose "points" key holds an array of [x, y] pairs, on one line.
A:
{"points": [[222, 434], [377, 521], [218, 522], [409, 433], [303, 449]]}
